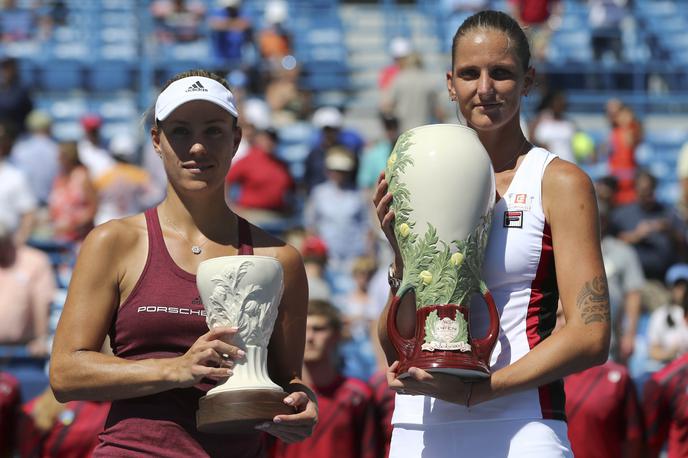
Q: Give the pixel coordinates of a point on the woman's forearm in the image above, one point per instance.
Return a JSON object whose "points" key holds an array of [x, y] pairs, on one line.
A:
{"points": [[89, 375], [570, 350]]}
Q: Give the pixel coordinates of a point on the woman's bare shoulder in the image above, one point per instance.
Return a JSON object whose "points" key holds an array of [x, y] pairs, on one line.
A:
{"points": [[567, 190], [266, 244], [564, 176], [116, 236]]}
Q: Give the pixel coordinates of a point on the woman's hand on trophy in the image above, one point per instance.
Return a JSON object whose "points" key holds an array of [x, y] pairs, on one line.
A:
{"points": [[210, 356], [295, 427], [398, 385], [383, 201], [438, 385]]}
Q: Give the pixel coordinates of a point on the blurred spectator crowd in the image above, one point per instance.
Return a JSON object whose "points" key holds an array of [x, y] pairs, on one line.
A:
{"points": [[303, 173]]}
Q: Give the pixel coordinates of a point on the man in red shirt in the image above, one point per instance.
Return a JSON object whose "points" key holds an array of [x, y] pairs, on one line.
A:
{"points": [[346, 427], [665, 400], [602, 410], [263, 180], [50, 429], [603, 413], [383, 396]]}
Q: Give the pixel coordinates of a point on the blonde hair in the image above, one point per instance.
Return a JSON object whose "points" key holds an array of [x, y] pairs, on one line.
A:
{"points": [[364, 264]]}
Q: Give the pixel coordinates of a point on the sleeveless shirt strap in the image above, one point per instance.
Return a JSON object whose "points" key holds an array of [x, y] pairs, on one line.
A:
{"points": [[245, 239], [153, 228]]}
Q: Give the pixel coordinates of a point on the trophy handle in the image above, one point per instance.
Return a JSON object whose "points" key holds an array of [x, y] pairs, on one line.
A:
{"points": [[485, 345], [402, 345]]}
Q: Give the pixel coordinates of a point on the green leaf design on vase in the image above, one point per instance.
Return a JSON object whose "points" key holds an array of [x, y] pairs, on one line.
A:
{"points": [[440, 272]]}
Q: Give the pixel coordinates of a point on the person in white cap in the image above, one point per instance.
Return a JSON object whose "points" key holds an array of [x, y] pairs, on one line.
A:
{"points": [[330, 122], [135, 280], [274, 40], [343, 227], [36, 154], [399, 48], [667, 330], [413, 96]]}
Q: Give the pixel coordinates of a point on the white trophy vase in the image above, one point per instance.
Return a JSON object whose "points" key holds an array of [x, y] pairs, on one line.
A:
{"points": [[443, 187], [244, 292]]}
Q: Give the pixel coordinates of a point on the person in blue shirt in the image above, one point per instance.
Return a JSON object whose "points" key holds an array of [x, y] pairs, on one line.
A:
{"points": [[231, 34], [374, 158], [329, 121]]}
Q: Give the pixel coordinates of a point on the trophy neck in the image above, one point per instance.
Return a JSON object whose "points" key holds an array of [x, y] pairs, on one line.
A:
{"points": [[250, 372]]}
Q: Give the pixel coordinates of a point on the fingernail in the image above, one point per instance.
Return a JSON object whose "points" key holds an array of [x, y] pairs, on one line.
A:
{"points": [[277, 420], [289, 401], [241, 353], [234, 329], [230, 372]]}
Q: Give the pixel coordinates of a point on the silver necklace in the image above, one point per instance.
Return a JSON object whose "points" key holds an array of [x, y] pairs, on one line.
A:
{"points": [[195, 248], [513, 158]]}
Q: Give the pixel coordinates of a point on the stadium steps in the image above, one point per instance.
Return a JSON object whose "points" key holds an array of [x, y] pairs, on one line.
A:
{"points": [[368, 30]]}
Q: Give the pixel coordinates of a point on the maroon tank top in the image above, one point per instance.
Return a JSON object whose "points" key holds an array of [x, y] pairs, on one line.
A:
{"points": [[162, 317]]}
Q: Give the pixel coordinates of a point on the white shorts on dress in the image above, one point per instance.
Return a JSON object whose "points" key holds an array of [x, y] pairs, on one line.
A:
{"points": [[486, 439]]}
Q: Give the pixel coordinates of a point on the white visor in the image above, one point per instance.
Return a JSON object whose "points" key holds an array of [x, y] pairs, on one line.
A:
{"points": [[194, 88]]}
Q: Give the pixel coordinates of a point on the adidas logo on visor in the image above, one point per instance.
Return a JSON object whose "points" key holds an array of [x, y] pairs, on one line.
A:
{"points": [[196, 87]]}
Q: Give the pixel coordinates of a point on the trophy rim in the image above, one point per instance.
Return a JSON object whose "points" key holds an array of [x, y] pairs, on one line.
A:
{"points": [[443, 124], [249, 256]]}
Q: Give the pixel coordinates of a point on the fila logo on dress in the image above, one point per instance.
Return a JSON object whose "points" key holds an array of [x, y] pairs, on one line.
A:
{"points": [[513, 219], [196, 87], [516, 204]]}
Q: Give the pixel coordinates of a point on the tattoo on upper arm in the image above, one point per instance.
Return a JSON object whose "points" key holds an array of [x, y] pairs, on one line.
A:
{"points": [[593, 301]]}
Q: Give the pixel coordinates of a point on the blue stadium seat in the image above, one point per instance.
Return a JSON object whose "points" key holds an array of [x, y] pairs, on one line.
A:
{"points": [[67, 130], [668, 191], [65, 108], [165, 71], [110, 75], [670, 137], [61, 75], [644, 154], [116, 108], [77, 51], [325, 75], [296, 133], [123, 51], [111, 129], [28, 370], [27, 73]]}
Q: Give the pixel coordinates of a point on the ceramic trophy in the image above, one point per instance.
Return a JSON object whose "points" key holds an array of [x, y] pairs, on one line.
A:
{"points": [[443, 188], [242, 291]]}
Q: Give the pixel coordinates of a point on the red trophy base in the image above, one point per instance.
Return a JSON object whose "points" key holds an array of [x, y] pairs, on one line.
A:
{"points": [[470, 364], [239, 411]]}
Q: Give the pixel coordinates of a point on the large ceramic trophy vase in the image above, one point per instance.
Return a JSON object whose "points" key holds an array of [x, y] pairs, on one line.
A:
{"points": [[443, 189], [242, 291]]}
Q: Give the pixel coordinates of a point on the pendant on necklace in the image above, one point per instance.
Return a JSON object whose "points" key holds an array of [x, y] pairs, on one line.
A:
{"points": [[195, 249]]}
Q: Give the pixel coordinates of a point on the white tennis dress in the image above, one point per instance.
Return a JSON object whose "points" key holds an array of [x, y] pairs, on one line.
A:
{"points": [[519, 271]]}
